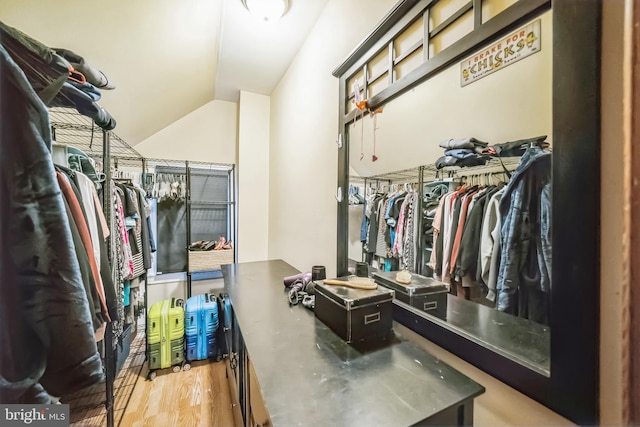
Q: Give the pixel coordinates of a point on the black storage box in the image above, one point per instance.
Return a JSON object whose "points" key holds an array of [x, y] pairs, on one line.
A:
{"points": [[357, 316], [424, 293]]}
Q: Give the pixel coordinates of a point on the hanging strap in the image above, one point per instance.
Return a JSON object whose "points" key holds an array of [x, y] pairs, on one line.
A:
{"points": [[506, 171]]}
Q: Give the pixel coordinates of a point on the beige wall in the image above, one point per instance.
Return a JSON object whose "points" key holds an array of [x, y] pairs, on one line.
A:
{"points": [[161, 54], [611, 244], [207, 134], [304, 128], [303, 157], [510, 104], [491, 409], [253, 177], [520, 102]]}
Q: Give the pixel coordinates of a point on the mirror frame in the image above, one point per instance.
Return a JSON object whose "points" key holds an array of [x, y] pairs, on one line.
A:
{"points": [[572, 389]]}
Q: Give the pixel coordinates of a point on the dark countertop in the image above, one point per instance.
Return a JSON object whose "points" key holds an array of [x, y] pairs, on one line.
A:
{"points": [[311, 377], [521, 340], [513, 337]]}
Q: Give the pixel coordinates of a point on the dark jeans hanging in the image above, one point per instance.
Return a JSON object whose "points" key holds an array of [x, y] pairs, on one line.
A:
{"points": [[172, 236]]}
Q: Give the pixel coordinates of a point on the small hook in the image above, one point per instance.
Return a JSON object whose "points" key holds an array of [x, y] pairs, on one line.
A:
{"points": [[339, 196], [339, 141]]}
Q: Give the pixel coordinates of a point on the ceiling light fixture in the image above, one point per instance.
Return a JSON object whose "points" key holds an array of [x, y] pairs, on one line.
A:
{"points": [[267, 10]]}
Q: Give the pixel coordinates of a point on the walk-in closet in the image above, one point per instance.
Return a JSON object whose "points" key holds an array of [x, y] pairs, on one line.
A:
{"points": [[319, 213]]}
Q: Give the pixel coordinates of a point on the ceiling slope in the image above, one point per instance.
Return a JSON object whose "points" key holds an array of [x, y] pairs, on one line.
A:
{"points": [[254, 55], [161, 54], [168, 58]]}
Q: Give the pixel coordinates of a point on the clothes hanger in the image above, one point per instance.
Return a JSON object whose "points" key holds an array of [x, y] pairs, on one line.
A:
{"points": [[407, 187]]}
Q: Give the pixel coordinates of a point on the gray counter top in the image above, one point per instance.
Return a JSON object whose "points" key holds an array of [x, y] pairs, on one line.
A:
{"points": [[311, 377]]}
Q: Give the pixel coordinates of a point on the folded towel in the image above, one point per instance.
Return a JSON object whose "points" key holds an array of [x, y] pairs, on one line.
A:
{"points": [[469, 142], [517, 148], [445, 161], [460, 153]]}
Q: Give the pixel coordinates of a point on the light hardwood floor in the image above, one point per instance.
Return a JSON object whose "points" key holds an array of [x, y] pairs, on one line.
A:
{"points": [[194, 398]]}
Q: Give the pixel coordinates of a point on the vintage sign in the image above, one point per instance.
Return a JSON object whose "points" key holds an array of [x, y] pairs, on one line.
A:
{"points": [[506, 51]]}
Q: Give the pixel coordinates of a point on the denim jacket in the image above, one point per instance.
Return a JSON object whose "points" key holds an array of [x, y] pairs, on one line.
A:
{"points": [[525, 211]]}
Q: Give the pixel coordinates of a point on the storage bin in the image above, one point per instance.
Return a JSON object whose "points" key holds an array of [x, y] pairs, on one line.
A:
{"points": [[356, 315], [209, 260], [424, 293]]}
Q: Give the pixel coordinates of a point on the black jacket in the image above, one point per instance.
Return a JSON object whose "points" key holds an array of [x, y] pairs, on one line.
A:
{"points": [[46, 331]]}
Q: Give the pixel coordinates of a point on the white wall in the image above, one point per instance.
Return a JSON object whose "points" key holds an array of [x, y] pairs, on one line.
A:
{"points": [[207, 134], [253, 177], [354, 250], [304, 128]]}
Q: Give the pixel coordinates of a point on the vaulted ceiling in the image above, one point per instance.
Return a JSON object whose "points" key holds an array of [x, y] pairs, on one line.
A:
{"points": [[168, 58]]}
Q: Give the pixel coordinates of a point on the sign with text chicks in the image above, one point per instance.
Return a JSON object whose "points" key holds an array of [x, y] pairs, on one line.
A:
{"points": [[506, 51]]}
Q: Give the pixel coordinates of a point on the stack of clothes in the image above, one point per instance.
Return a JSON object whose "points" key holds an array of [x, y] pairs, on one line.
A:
{"points": [[466, 152], [60, 77]]}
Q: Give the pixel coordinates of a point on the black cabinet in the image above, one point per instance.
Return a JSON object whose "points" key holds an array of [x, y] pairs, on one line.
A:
{"points": [[286, 367], [248, 406]]}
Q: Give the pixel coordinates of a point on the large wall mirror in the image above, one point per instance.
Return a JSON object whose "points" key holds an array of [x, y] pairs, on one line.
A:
{"points": [[480, 74]]}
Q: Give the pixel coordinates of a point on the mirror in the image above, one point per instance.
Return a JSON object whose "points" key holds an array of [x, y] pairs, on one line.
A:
{"points": [[513, 103], [553, 92]]}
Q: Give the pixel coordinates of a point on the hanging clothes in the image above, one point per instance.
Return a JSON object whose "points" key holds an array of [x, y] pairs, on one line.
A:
{"points": [[80, 220], [498, 239], [125, 257], [468, 258], [491, 245], [88, 279], [408, 235], [390, 228], [136, 216], [145, 229], [525, 213], [42, 297], [87, 190]]}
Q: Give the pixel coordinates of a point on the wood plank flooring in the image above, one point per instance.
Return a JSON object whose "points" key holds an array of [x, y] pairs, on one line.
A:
{"points": [[194, 398]]}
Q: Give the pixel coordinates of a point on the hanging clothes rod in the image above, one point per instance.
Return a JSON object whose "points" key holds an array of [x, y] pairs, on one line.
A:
{"points": [[483, 170]]}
